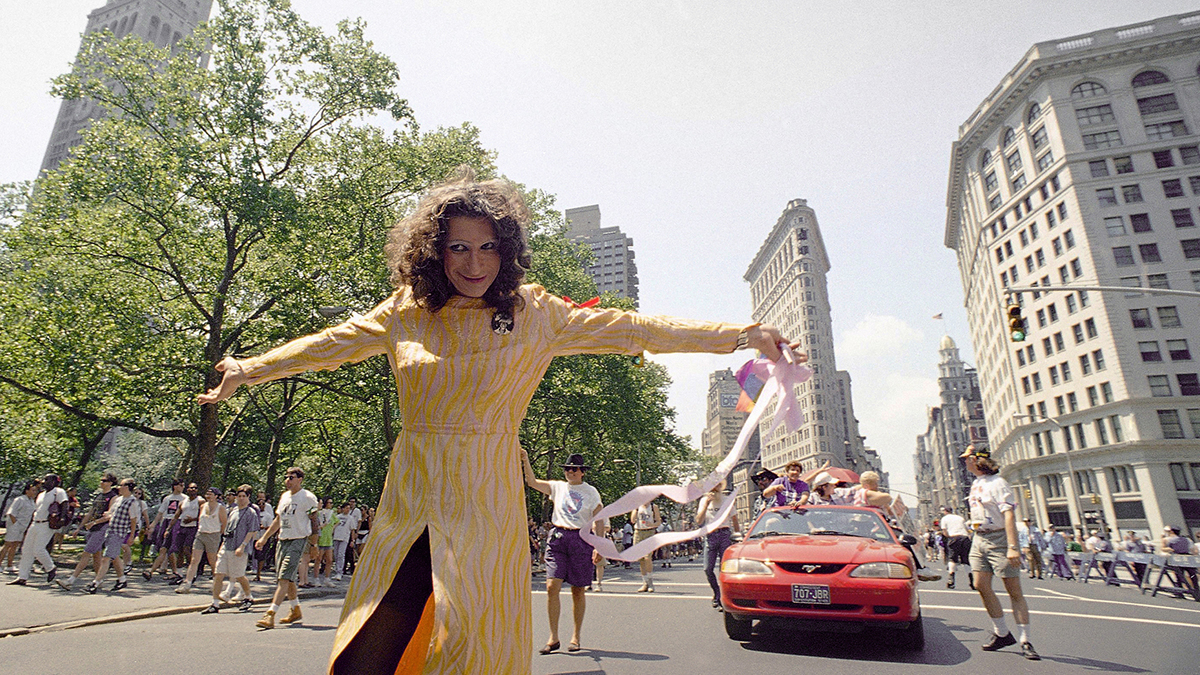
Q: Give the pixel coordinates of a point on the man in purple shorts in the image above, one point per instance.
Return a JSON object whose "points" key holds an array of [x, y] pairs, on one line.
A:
{"points": [[568, 557], [122, 516], [183, 532], [96, 528], [160, 530]]}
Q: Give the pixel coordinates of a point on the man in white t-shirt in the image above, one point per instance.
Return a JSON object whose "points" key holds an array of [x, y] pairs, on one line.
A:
{"points": [[160, 530], [568, 557], [958, 544], [49, 514], [342, 532], [16, 522], [296, 522], [356, 516]]}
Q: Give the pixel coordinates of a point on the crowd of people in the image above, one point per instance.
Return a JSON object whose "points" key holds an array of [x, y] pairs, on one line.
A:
{"points": [[235, 533]]}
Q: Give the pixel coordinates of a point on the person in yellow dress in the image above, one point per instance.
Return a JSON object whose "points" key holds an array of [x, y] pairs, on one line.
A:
{"points": [[443, 585]]}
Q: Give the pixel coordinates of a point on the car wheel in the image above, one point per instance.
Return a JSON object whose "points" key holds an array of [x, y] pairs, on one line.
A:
{"points": [[738, 629], [913, 637]]}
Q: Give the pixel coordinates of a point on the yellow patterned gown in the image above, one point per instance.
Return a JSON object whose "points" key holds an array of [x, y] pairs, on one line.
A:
{"points": [[463, 391]]}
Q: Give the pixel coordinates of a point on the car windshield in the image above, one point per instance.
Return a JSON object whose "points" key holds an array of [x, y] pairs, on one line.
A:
{"points": [[821, 522]]}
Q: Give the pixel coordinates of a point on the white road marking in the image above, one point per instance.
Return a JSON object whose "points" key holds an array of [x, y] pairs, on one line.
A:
{"points": [[1065, 596], [1074, 615]]}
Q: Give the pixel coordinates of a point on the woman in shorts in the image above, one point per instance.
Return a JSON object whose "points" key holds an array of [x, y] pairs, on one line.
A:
{"points": [[212, 521]]}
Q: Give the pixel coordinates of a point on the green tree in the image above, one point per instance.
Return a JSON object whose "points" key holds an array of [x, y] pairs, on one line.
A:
{"points": [[233, 188]]}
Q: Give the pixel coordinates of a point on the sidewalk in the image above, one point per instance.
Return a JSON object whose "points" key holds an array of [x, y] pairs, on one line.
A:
{"points": [[41, 606]]}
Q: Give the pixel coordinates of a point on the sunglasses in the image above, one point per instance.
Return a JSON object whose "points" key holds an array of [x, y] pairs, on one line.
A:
{"points": [[573, 468]]}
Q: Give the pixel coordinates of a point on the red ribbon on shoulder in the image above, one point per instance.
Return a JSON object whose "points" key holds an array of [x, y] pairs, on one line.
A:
{"points": [[590, 303]]}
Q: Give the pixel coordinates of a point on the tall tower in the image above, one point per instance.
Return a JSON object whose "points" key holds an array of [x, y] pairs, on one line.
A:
{"points": [[951, 427], [163, 22], [614, 269], [724, 423], [788, 290], [1082, 168]]}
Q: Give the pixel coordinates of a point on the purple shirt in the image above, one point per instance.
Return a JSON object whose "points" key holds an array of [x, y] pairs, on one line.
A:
{"points": [[791, 492]]}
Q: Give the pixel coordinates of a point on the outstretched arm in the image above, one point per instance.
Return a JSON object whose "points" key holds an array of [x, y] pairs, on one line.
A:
{"points": [[531, 478]]}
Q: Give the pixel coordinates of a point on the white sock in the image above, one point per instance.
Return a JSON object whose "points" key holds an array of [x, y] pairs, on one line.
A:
{"points": [[274, 607], [1023, 632], [295, 602], [950, 567], [1000, 626]]}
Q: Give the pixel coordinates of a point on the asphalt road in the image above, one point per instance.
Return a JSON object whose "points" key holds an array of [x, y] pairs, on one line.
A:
{"points": [[1078, 628]]}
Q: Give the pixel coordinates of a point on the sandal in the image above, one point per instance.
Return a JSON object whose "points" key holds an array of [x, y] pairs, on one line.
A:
{"points": [[573, 646], [552, 647]]}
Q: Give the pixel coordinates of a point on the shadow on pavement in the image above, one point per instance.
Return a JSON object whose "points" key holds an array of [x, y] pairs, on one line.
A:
{"points": [[942, 648], [1093, 664], [598, 654]]}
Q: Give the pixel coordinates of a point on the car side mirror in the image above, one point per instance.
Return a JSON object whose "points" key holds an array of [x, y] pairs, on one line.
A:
{"points": [[908, 539]]}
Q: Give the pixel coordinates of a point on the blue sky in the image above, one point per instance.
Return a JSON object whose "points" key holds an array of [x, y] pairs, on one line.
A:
{"points": [[692, 124]]}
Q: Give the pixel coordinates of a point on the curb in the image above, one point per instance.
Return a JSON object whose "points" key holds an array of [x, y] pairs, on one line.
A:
{"points": [[134, 616]]}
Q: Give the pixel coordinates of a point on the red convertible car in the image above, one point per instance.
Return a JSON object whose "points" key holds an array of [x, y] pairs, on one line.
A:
{"points": [[832, 568]]}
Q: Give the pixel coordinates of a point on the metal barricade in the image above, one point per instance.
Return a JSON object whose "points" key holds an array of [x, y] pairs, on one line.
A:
{"points": [[1177, 576], [1136, 564]]}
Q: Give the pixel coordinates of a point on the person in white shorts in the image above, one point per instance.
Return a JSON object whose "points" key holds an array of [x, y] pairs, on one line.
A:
{"points": [[16, 522], [241, 529], [341, 540]]}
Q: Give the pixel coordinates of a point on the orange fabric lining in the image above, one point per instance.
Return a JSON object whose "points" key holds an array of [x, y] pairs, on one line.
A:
{"points": [[413, 660]]}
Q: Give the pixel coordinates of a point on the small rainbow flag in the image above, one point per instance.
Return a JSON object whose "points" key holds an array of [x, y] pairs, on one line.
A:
{"points": [[751, 377]]}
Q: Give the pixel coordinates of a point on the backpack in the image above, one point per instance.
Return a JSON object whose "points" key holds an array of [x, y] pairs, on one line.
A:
{"points": [[56, 516]]}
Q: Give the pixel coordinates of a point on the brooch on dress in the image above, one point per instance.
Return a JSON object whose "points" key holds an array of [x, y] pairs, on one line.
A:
{"points": [[502, 322]]}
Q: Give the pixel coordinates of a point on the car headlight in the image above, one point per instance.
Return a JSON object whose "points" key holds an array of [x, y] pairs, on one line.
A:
{"points": [[882, 570], [745, 566]]}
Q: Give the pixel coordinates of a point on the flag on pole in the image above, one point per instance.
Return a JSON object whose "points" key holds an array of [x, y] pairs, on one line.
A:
{"points": [[937, 317]]}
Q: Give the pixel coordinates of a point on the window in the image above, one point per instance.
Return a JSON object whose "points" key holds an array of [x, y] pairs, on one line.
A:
{"points": [[1035, 111], [1149, 77], [1182, 218], [1157, 281], [1172, 188], [1179, 476], [1131, 282], [1140, 318], [990, 183], [1115, 226], [1160, 385], [1088, 90], [1018, 182], [1041, 318], [1172, 129], [1101, 140], [1098, 167], [1072, 305], [1037, 442], [1106, 197], [1029, 354], [1131, 193], [1050, 220], [1123, 164], [1098, 359], [1101, 432], [1021, 359], [1058, 342], [1178, 349], [1149, 253], [1041, 259], [1072, 401], [1013, 162], [1065, 369], [1163, 160], [1081, 440], [1189, 384], [1194, 419], [1189, 154], [1044, 162], [1085, 365], [1008, 249], [1150, 351], [1033, 229], [1195, 182], [1171, 428], [1196, 279], [1042, 411], [1114, 422], [1069, 239], [1062, 274], [1056, 244], [1067, 443], [1029, 264], [1093, 397], [994, 202], [1009, 137], [1099, 114], [1139, 222], [1025, 386], [1037, 382], [1054, 376], [1123, 255], [1090, 326], [1059, 405], [1168, 317], [1053, 312], [1191, 248], [985, 158], [1047, 347], [1157, 104], [1062, 206], [1076, 268]]}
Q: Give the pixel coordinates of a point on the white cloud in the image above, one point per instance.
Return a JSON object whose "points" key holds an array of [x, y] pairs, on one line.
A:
{"points": [[875, 337], [891, 412]]}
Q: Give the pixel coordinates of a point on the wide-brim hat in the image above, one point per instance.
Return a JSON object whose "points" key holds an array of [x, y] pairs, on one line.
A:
{"points": [[575, 460], [823, 478], [972, 451], [765, 473]]}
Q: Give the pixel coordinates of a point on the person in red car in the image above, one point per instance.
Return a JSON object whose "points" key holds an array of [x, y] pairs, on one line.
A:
{"points": [[994, 549]]}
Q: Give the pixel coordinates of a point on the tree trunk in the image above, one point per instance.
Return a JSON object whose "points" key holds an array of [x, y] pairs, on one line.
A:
{"points": [[89, 448]]}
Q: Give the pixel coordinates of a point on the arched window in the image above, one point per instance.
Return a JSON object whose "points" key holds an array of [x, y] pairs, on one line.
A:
{"points": [[1149, 77], [1088, 90], [1035, 111], [1009, 137], [985, 158]]}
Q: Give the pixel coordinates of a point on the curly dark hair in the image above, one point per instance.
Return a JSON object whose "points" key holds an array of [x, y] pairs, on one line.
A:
{"points": [[416, 244]]}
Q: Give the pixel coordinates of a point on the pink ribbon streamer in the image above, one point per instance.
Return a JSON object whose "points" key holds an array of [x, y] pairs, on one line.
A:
{"points": [[783, 376]]}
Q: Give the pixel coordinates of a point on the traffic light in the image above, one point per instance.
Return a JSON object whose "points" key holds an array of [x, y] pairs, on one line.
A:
{"points": [[1095, 498], [1016, 324], [1028, 494]]}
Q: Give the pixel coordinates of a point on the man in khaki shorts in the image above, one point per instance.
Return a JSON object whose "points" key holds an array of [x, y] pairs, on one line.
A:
{"points": [[296, 522], [241, 528]]}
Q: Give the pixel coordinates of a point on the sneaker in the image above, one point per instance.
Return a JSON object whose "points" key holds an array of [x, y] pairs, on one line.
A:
{"points": [[928, 577], [267, 621], [121, 583], [184, 588], [245, 605], [66, 584], [999, 642], [51, 574], [11, 569], [92, 588], [1028, 652], [950, 584], [18, 582], [293, 616], [225, 597], [211, 609], [645, 588], [146, 575]]}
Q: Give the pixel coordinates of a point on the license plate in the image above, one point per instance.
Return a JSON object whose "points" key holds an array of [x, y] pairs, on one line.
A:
{"points": [[810, 595]]}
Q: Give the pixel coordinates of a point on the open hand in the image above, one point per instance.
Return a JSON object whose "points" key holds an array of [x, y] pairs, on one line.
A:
{"points": [[235, 376], [767, 338]]}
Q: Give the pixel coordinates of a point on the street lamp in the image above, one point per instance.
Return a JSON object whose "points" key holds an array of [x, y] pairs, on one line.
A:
{"points": [[637, 463]]}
